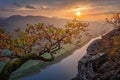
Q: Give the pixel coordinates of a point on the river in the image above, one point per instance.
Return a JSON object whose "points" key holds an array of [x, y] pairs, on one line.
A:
{"points": [[64, 70]]}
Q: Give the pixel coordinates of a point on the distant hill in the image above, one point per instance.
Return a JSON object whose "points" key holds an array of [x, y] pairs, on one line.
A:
{"points": [[20, 21], [10, 23]]}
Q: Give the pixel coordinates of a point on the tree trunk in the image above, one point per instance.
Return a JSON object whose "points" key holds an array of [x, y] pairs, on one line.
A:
{"points": [[11, 66]]}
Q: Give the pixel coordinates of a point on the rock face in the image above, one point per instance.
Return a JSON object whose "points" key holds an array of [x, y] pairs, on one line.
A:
{"points": [[98, 64]]}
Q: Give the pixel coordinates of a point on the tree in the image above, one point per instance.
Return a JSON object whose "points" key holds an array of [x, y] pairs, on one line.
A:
{"points": [[114, 21], [46, 38]]}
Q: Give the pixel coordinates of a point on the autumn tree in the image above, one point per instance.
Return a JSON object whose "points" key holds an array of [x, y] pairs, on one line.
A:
{"points": [[114, 21], [46, 38]]}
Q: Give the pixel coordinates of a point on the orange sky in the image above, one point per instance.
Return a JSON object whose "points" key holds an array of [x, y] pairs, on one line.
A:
{"points": [[89, 9]]}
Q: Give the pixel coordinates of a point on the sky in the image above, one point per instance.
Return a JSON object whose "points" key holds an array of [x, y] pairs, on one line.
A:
{"points": [[89, 9]]}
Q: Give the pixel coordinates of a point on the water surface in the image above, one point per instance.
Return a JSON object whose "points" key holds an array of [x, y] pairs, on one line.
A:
{"points": [[64, 70]]}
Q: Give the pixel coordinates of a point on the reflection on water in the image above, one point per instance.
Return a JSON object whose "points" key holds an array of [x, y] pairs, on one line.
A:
{"points": [[64, 70]]}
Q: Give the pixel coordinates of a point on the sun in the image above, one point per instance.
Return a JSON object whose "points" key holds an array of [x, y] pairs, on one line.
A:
{"points": [[78, 13]]}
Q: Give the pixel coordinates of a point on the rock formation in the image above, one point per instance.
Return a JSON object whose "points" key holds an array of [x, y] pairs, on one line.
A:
{"points": [[102, 60]]}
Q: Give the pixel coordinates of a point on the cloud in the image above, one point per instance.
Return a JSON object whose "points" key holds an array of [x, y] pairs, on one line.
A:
{"points": [[44, 7], [103, 13], [59, 7], [17, 4], [5, 9], [24, 5], [30, 7]]}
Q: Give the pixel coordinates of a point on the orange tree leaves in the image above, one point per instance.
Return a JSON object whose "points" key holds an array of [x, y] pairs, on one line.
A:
{"points": [[114, 21], [47, 38]]}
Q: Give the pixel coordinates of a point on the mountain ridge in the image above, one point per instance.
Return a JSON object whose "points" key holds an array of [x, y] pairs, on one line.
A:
{"points": [[20, 21]]}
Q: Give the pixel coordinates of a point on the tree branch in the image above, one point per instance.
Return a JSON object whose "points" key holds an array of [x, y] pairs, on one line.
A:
{"points": [[11, 66]]}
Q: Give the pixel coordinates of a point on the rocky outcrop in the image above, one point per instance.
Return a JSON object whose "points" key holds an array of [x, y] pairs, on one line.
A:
{"points": [[98, 63]]}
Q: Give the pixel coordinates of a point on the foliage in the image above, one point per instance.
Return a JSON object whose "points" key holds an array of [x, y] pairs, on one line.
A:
{"points": [[114, 21], [46, 38], [114, 41], [116, 45]]}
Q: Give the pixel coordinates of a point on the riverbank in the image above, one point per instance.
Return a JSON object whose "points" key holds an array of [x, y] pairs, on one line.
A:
{"points": [[27, 69], [64, 70], [37, 66]]}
